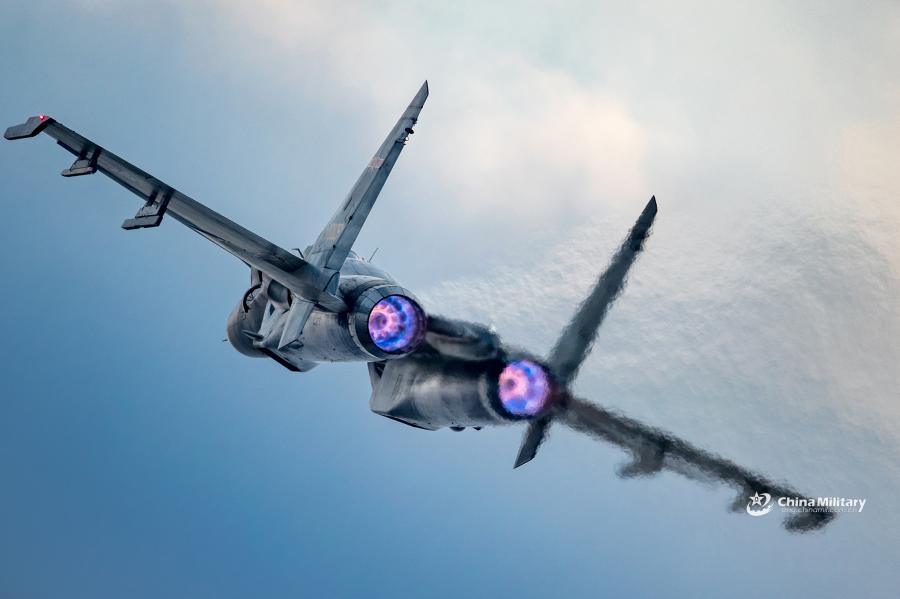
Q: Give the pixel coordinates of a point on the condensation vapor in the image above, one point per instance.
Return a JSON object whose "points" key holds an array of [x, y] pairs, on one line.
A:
{"points": [[651, 450]]}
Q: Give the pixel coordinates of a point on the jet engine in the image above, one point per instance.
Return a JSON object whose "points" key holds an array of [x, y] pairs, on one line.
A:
{"points": [[387, 321], [432, 392], [384, 322]]}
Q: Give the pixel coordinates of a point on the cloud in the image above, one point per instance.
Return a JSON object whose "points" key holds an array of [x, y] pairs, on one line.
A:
{"points": [[766, 140], [733, 113], [724, 336], [504, 132], [869, 182], [540, 117]]}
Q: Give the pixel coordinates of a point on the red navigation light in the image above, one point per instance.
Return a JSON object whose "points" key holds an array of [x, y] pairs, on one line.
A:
{"points": [[42, 117]]}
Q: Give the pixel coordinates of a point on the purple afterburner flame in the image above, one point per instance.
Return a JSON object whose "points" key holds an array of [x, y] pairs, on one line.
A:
{"points": [[396, 324], [524, 388]]}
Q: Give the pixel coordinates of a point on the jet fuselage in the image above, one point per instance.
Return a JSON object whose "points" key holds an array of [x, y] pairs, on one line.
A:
{"points": [[383, 321]]}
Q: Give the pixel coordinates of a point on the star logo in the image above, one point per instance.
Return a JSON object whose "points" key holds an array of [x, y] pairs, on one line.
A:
{"points": [[763, 500]]}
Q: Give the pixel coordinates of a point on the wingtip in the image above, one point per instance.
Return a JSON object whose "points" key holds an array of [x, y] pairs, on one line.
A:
{"points": [[419, 100], [29, 128]]}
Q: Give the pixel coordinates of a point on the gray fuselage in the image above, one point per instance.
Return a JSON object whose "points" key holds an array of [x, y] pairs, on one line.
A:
{"points": [[327, 336]]}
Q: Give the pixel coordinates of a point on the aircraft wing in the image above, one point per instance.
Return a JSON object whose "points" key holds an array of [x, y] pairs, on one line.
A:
{"points": [[653, 450], [296, 274], [334, 243]]}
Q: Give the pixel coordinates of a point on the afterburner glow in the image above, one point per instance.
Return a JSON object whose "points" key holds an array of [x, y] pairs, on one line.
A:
{"points": [[396, 324], [524, 388]]}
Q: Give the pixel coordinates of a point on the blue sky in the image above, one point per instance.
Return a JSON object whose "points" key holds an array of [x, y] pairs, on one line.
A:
{"points": [[142, 457]]}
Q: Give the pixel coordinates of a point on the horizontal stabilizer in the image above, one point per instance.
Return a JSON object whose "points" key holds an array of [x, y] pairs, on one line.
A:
{"points": [[534, 436]]}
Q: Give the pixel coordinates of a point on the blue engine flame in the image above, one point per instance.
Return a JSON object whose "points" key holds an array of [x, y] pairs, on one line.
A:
{"points": [[524, 388], [396, 324]]}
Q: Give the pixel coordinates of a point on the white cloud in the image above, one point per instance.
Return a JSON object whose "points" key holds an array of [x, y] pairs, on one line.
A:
{"points": [[505, 133], [766, 307], [869, 182], [744, 120], [770, 145]]}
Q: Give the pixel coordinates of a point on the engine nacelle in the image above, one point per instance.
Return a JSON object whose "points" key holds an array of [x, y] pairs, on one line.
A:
{"points": [[386, 320], [433, 392]]}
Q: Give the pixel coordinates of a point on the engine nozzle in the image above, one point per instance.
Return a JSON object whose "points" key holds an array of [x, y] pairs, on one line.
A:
{"points": [[524, 388], [396, 324]]}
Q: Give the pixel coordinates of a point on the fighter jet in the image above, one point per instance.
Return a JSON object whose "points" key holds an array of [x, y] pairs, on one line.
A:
{"points": [[328, 304]]}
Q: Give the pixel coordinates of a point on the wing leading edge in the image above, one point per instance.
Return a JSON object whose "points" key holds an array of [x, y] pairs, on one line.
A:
{"points": [[313, 279], [334, 242], [298, 275]]}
